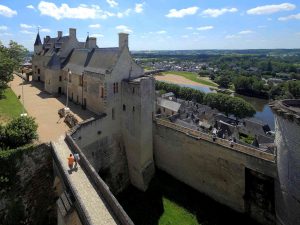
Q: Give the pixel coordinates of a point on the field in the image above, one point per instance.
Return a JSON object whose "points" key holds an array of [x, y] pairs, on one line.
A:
{"points": [[170, 202], [10, 106], [193, 77]]}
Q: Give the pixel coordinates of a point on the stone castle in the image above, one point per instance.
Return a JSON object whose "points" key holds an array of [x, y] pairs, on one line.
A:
{"points": [[126, 140]]}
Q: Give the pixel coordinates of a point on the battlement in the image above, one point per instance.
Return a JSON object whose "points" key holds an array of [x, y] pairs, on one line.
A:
{"points": [[225, 143]]}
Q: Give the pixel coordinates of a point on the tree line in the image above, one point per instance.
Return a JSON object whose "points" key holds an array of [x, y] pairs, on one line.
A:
{"points": [[235, 106]]}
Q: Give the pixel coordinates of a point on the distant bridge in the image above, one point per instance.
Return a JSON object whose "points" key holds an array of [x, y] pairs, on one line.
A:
{"points": [[84, 198]]}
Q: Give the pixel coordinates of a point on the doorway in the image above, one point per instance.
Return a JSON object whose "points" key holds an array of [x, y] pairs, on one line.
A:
{"points": [[59, 90]]}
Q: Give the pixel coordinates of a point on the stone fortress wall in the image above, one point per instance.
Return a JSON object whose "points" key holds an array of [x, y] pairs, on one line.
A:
{"points": [[211, 168], [287, 139]]}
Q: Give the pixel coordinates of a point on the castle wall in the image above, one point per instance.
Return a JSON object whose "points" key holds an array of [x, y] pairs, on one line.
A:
{"points": [[210, 168], [52, 81], [137, 109], [103, 146], [287, 139]]}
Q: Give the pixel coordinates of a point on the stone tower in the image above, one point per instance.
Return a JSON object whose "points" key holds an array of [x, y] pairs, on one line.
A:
{"points": [[287, 139], [38, 44]]}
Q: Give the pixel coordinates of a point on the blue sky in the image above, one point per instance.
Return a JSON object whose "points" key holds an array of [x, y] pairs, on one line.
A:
{"points": [[158, 24]]}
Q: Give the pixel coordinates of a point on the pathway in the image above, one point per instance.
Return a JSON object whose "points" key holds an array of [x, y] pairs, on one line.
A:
{"points": [[44, 107], [93, 205]]}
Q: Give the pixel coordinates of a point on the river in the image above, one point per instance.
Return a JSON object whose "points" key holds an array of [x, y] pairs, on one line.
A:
{"points": [[263, 110]]}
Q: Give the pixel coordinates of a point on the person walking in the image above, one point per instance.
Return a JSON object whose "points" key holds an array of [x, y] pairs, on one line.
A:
{"points": [[76, 158], [70, 161]]}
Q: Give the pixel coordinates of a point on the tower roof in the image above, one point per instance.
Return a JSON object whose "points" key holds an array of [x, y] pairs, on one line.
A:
{"points": [[37, 40]]}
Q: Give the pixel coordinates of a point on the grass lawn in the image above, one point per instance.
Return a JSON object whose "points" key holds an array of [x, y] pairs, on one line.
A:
{"points": [[171, 202], [193, 77], [10, 106]]}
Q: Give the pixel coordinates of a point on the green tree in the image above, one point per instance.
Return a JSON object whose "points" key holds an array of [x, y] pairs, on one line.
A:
{"points": [[20, 131], [223, 81], [10, 58]]}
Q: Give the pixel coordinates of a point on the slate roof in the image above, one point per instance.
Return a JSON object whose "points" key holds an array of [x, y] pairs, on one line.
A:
{"points": [[77, 61], [102, 60], [171, 105], [37, 40]]}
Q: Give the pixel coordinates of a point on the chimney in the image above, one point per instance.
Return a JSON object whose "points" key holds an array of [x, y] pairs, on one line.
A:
{"points": [[59, 34], [123, 40], [92, 42], [72, 32]]}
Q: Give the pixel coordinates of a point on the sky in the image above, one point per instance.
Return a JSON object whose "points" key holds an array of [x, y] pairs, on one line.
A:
{"points": [[157, 24]]}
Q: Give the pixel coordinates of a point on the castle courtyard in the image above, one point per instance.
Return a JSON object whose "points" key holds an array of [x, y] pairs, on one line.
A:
{"points": [[44, 108]]}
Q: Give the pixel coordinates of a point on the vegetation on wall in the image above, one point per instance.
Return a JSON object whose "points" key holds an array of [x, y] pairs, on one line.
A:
{"points": [[224, 103]]}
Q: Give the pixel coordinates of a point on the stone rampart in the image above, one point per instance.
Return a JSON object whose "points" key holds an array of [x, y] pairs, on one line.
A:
{"points": [[100, 185]]}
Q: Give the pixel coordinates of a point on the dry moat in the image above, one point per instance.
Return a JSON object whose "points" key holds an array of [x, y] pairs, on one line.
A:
{"points": [[169, 201]]}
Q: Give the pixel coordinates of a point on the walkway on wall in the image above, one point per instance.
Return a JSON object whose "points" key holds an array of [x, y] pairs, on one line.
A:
{"points": [[93, 205]]}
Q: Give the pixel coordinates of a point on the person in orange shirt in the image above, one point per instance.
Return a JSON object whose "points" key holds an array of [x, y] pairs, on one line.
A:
{"points": [[70, 161]]}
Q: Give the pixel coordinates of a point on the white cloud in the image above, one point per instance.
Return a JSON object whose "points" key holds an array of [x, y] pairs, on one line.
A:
{"points": [[3, 27], [30, 7], [45, 30], [246, 32], [270, 9], [6, 34], [189, 28], [139, 7], [26, 26], [290, 17], [174, 13], [112, 3], [7, 12], [97, 35], [205, 28], [161, 32], [26, 32], [94, 26], [123, 28], [80, 12], [125, 13], [232, 36], [218, 12]]}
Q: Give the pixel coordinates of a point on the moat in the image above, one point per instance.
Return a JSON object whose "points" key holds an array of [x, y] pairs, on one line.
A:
{"points": [[169, 201]]}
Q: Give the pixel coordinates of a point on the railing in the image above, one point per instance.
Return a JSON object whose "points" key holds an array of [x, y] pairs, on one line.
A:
{"points": [[100, 185], [225, 143]]}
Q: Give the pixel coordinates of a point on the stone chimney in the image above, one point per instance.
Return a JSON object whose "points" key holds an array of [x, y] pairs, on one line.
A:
{"points": [[123, 40], [59, 34], [72, 32], [92, 42]]}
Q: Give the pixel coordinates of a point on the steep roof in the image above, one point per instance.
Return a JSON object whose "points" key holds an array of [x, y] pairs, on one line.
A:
{"points": [[102, 59], [37, 40], [78, 60]]}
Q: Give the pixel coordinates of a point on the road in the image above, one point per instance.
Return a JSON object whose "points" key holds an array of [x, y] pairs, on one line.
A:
{"points": [[44, 107]]}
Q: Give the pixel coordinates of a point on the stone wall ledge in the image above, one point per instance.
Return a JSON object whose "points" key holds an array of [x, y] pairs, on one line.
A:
{"points": [[225, 143]]}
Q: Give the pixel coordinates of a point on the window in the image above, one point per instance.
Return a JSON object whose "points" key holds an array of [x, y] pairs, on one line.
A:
{"points": [[133, 109], [60, 78], [117, 87], [39, 71], [80, 80], [102, 92], [112, 113], [114, 87], [133, 90], [70, 78], [124, 107]]}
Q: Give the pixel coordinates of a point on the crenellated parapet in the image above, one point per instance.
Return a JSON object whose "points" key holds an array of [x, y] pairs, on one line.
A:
{"points": [[288, 109]]}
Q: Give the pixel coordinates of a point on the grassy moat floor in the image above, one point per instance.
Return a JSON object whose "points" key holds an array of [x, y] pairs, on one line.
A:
{"points": [[170, 202]]}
